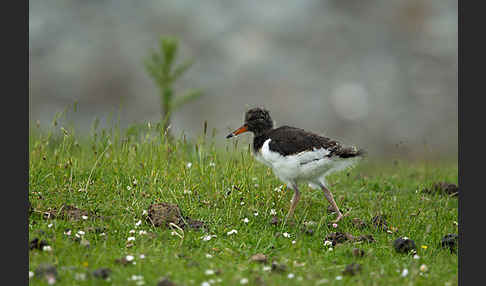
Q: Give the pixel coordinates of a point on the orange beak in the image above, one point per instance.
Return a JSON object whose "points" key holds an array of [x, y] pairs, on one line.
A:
{"points": [[240, 130]]}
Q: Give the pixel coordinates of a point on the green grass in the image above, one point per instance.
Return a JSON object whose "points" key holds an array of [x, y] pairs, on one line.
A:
{"points": [[222, 187]]}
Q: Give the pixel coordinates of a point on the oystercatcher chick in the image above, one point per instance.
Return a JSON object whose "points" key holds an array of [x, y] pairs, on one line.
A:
{"points": [[296, 155]]}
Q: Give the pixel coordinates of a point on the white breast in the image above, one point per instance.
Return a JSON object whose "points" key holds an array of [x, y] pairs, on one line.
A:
{"points": [[306, 165]]}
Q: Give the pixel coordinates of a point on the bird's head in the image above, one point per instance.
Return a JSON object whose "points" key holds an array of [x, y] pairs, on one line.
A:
{"points": [[257, 120]]}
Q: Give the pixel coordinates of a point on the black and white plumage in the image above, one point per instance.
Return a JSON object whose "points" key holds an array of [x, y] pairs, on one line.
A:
{"points": [[296, 155]]}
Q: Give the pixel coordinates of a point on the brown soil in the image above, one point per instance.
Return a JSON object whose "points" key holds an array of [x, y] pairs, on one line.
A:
{"points": [[162, 214], [68, 212]]}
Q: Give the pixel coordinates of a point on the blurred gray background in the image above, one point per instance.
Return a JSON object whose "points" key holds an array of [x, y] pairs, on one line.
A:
{"points": [[379, 74]]}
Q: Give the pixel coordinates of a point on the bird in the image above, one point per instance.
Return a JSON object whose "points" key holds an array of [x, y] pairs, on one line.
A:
{"points": [[297, 156]]}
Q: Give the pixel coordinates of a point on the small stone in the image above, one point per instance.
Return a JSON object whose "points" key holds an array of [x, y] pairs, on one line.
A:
{"points": [[259, 257], [423, 268]]}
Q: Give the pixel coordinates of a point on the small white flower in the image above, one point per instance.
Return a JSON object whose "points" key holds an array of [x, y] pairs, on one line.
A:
{"points": [[131, 238], [233, 231], [404, 237], [257, 185], [327, 243], [211, 281], [286, 234], [246, 220], [85, 217], [243, 280], [144, 212], [47, 248], [291, 276], [187, 192], [339, 277], [267, 268], [129, 188], [211, 164], [209, 272], [50, 225], [31, 274], [255, 214], [335, 225], [141, 282], [136, 277], [135, 182], [142, 256], [129, 258], [142, 232], [389, 231], [68, 233], [205, 283], [131, 231], [207, 237], [189, 165], [273, 212], [423, 268], [330, 249], [254, 178], [208, 255], [416, 256], [138, 223], [242, 203], [102, 234], [294, 242], [404, 272]]}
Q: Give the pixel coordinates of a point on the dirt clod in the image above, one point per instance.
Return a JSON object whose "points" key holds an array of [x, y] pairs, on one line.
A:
{"points": [[404, 245], [162, 214], [165, 282], [102, 273], [352, 269], [37, 244], [338, 237], [443, 188], [259, 257], [450, 241]]}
